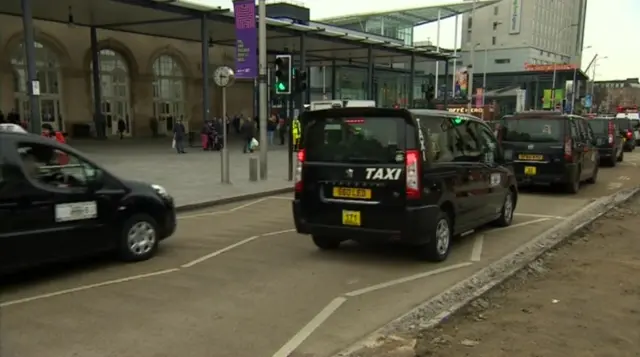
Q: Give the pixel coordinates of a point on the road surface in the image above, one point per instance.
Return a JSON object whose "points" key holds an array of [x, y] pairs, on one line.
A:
{"points": [[238, 281]]}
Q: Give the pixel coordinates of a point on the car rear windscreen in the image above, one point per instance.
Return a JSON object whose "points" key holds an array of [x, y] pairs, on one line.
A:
{"points": [[532, 130], [599, 126], [369, 139], [624, 124]]}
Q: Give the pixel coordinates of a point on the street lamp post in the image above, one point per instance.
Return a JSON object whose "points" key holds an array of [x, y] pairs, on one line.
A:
{"points": [[470, 69], [574, 85], [553, 84], [593, 79]]}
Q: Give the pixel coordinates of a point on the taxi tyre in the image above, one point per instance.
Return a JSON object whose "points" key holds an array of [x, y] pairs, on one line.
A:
{"points": [[506, 214], [574, 185], [124, 251], [325, 242], [430, 250]]}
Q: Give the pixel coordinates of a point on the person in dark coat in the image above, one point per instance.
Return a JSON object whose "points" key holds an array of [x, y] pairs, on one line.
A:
{"points": [[122, 126], [179, 133], [248, 132]]}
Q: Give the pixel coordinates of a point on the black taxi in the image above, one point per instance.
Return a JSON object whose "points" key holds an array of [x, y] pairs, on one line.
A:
{"points": [[420, 177], [550, 148], [56, 204]]}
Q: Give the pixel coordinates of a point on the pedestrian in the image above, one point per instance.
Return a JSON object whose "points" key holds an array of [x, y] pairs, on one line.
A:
{"points": [[122, 126], [272, 123], [282, 129], [178, 136], [248, 133]]}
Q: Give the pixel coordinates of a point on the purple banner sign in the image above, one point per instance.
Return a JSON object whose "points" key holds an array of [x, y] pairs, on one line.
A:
{"points": [[246, 39]]}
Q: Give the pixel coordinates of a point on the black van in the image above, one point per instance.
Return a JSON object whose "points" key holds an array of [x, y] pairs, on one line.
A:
{"points": [[56, 204], [550, 148], [416, 176], [609, 140]]}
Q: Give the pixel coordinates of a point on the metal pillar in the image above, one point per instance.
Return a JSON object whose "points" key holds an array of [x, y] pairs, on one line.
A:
{"points": [[455, 57], [98, 119], [412, 76], [446, 85], [436, 90], [303, 64], [288, 101], [370, 74], [33, 86], [307, 98], [204, 36], [262, 79], [334, 79], [471, 67]]}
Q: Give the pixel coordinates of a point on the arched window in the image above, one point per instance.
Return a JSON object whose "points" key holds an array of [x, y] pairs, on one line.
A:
{"points": [[168, 93], [115, 90], [49, 80]]}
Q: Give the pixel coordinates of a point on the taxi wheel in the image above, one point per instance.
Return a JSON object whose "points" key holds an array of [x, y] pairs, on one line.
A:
{"points": [[574, 186], [139, 238], [508, 206], [326, 243], [438, 247]]}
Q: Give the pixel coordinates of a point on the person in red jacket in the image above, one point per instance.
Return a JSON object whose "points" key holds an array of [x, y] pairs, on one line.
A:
{"points": [[47, 131]]}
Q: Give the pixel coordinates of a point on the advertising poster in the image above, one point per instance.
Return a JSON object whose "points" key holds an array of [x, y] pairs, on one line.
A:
{"points": [[246, 39]]}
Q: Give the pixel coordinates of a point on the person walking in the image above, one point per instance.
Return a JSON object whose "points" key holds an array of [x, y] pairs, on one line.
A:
{"points": [[272, 123], [282, 129], [122, 126], [248, 132], [178, 136]]}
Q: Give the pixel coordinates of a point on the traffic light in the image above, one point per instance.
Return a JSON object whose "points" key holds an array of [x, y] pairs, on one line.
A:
{"points": [[300, 81], [283, 74]]}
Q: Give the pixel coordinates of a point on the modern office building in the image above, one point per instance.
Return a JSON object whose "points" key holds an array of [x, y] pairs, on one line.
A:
{"points": [[391, 80], [516, 32]]}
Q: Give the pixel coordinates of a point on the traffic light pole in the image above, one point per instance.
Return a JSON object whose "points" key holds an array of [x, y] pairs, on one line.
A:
{"points": [[262, 79]]}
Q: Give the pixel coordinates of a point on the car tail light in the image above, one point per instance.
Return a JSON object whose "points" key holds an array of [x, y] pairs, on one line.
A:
{"points": [[413, 174], [298, 172], [611, 132], [568, 150]]}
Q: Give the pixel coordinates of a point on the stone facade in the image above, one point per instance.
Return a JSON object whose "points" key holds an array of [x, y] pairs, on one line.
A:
{"points": [[71, 46]]}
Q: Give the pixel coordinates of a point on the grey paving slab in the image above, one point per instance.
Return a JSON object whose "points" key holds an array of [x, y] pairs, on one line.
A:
{"points": [[192, 178]]}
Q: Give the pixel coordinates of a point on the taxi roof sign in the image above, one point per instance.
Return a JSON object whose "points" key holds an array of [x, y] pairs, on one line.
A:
{"points": [[12, 128]]}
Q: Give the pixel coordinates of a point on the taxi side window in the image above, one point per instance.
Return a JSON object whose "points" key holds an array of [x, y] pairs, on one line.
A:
{"points": [[55, 168], [582, 134], [574, 130], [467, 145], [491, 148]]}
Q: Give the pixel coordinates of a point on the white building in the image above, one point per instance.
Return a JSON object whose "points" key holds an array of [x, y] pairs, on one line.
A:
{"points": [[515, 32]]}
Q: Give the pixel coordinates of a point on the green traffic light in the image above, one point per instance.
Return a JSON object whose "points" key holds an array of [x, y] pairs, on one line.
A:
{"points": [[281, 86]]}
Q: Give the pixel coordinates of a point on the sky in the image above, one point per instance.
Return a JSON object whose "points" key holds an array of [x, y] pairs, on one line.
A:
{"points": [[610, 30]]}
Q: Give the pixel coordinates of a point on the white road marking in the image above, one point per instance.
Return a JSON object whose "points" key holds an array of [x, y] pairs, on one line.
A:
{"points": [[231, 210], [523, 224], [476, 251], [406, 279], [282, 198], [614, 185], [538, 215], [219, 251], [624, 178], [87, 287], [278, 232], [308, 329]]}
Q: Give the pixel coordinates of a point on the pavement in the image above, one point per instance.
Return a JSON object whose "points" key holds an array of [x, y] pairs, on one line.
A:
{"points": [[194, 179], [236, 280]]}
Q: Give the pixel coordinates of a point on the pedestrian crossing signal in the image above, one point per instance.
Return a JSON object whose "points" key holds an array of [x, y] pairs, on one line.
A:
{"points": [[283, 74]]}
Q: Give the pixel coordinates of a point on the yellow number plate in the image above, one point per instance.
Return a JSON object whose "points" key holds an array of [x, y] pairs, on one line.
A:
{"points": [[346, 192], [531, 157], [351, 218], [530, 170]]}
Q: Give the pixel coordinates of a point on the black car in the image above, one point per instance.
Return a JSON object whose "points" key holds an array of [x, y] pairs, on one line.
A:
{"points": [[627, 128], [56, 204], [416, 176], [609, 140], [550, 148]]}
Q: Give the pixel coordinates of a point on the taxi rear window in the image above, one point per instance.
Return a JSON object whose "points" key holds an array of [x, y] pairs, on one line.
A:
{"points": [[599, 126], [532, 130], [353, 139]]}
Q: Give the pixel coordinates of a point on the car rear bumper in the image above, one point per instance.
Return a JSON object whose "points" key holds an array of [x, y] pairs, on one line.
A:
{"points": [[558, 174], [416, 226]]}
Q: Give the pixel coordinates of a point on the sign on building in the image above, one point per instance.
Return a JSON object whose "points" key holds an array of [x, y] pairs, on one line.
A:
{"points": [[521, 99], [515, 17]]}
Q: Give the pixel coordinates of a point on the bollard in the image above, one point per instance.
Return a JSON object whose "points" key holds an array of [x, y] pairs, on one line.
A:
{"points": [[253, 169]]}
